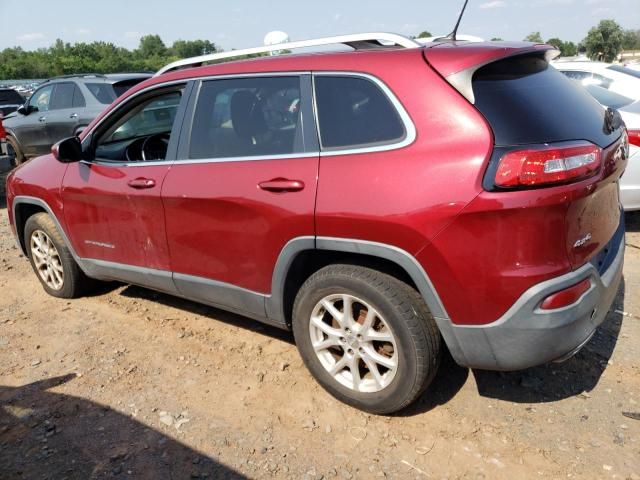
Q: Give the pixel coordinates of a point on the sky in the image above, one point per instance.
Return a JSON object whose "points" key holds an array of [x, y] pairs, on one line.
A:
{"points": [[33, 24]]}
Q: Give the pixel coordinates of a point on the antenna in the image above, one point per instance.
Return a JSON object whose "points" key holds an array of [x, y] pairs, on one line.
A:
{"points": [[452, 35]]}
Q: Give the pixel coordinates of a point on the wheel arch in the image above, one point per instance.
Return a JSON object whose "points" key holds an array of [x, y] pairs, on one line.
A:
{"points": [[303, 256], [24, 207]]}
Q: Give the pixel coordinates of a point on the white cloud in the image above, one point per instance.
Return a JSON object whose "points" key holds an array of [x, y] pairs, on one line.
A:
{"points": [[337, 17], [83, 31], [601, 11], [493, 4], [31, 37], [134, 35]]}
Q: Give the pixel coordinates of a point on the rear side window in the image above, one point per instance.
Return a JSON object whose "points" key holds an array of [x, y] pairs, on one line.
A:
{"points": [[527, 101], [353, 112], [247, 117], [103, 92]]}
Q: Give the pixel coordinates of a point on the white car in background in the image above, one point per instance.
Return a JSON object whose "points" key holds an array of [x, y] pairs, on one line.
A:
{"points": [[630, 112], [617, 78]]}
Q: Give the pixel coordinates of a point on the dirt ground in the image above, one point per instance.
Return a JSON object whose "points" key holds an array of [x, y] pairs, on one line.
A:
{"points": [[134, 384]]}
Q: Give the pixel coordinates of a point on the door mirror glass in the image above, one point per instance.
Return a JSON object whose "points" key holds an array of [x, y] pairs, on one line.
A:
{"points": [[68, 150]]}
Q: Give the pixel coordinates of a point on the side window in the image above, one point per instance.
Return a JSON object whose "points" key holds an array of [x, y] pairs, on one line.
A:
{"points": [[353, 112], [246, 117], [41, 98], [142, 132], [62, 96], [78, 98]]}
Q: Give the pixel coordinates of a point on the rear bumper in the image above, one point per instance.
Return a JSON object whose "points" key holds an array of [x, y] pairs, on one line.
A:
{"points": [[526, 336]]}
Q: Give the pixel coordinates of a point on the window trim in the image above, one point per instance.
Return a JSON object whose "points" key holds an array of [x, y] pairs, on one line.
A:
{"points": [[176, 132], [192, 90], [409, 128]]}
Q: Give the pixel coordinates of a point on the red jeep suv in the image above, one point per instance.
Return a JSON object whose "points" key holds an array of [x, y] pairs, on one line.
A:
{"points": [[378, 202]]}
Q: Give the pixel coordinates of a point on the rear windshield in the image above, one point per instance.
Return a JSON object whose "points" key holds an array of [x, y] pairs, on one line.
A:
{"points": [[9, 97], [607, 97], [625, 70], [527, 101]]}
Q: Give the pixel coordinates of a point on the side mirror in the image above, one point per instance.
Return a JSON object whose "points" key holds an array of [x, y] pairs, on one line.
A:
{"points": [[68, 150], [23, 110]]}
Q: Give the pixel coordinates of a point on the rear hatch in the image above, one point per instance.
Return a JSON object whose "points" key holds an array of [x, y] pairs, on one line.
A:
{"points": [[533, 111]]}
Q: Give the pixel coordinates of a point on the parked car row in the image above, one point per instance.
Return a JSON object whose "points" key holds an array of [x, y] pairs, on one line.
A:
{"points": [[61, 107]]}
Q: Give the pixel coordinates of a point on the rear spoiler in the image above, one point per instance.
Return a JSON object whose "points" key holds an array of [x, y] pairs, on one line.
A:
{"points": [[458, 61]]}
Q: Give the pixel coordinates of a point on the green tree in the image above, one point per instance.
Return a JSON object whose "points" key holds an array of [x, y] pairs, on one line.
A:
{"points": [[604, 42], [497, 39], [424, 34], [567, 49], [192, 48], [534, 37], [152, 46], [631, 40]]}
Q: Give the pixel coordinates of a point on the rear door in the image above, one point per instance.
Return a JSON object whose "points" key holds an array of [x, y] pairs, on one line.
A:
{"points": [[244, 183], [66, 104]]}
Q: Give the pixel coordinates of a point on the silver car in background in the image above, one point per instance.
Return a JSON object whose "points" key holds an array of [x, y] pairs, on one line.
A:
{"points": [[630, 112]]}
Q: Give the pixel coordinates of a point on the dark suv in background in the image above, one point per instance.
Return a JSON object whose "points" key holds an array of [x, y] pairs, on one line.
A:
{"points": [[62, 107], [10, 101]]}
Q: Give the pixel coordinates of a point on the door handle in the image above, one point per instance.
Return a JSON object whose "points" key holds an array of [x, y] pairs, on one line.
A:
{"points": [[73, 115], [280, 185], [141, 183], [42, 119]]}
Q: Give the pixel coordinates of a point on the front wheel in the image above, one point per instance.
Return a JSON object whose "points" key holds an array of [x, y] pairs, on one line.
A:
{"points": [[51, 259], [366, 337]]}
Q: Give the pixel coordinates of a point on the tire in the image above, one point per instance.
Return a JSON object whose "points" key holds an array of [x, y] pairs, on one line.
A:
{"points": [[409, 340], [56, 269], [18, 157]]}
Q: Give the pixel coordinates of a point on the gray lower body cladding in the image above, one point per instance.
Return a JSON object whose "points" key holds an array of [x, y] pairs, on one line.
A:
{"points": [[526, 336]]}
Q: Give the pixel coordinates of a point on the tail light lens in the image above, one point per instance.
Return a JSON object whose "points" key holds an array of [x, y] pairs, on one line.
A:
{"points": [[548, 165], [566, 297], [634, 137]]}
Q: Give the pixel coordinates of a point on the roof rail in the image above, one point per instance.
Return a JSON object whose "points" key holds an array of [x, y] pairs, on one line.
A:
{"points": [[76, 75], [357, 41]]}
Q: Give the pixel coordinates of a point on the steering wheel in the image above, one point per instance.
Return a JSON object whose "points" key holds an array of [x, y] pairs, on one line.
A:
{"points": [[155, 147]]}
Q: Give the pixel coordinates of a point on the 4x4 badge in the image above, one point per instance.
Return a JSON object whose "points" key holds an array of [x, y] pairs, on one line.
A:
{"points": [[582, 241]]}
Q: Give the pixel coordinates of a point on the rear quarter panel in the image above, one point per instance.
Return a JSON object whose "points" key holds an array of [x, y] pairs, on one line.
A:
{"points": [[404, 197]]}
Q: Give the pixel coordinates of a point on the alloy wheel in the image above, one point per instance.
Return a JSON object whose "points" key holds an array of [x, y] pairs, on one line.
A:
{"points": [[47, 260], [353, 343]]}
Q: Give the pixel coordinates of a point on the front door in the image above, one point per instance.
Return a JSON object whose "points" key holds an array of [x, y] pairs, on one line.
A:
{"points": [[31, 129], [243, 185], [112, 204]]}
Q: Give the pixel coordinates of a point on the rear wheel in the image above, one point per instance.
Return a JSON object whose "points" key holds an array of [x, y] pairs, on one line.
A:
{"points": [[366, 337], [51, 260], [14, 151]]}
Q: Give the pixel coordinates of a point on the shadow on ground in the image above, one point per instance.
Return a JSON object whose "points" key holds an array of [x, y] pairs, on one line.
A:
{"points": [[546, 383], [56, 436], [557, 381], [210, 312], [632, 221]]}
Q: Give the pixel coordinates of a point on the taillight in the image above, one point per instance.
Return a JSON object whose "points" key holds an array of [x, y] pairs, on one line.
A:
{"points": [[548, 165], [566, 297], [634, 137]]}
